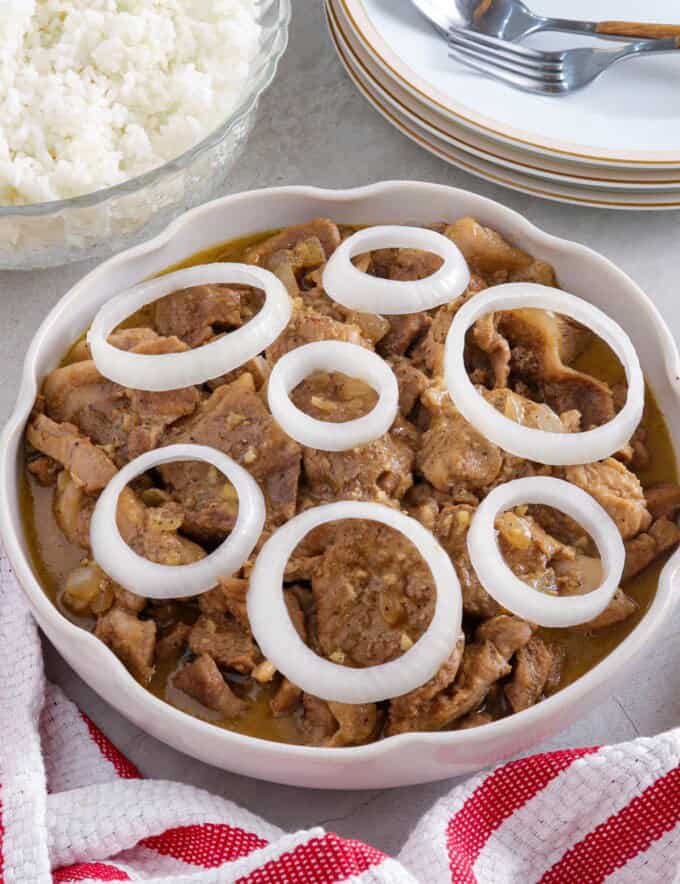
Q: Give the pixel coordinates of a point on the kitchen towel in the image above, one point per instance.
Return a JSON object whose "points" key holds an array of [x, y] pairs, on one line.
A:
{"points": [[72, 808]]}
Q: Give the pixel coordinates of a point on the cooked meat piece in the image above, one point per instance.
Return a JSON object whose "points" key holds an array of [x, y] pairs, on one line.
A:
{"points": [[285, 700], [357, 724], [123, 339], [307, 326], [539, 340], [416, 705], [490, 341], [80, 387], [226, 642], [337, 724], [404, 332], [88, 465], [152, 531], [482, 665], [558, 524], [228, 597], [196, 314], [405, 265], [256, 367], [529, 550], [203, 681], [236, 421], [374, 594], [334, 397], [321, 229], [73, 510], [412, 383], [428, 353], [172, 644], [451, 531], [643, 549], [128, 601], [532, 668], [474, 719], [131, 639], [508, 633], [554, 679], [538, 271], [44, 470], [663, 499], [584, 574], [453, 453], [295, 612], [318, 723], [486, 251], [620, 608], [130, 421], [421, 505], [617, 489], [379, 470]]}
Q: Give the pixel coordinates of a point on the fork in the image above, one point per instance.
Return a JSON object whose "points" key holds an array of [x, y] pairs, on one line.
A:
{"points": [[513, 20], [543, 73]]}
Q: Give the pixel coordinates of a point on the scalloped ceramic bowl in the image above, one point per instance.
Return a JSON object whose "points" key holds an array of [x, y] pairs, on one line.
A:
{"points": [[407, 758]]}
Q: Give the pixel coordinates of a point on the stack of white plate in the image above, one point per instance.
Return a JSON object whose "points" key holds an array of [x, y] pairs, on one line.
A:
{"points": [[615, 144]]}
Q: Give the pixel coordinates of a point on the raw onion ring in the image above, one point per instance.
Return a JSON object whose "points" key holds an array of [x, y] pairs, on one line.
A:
{"points": [[150, 579], [278, 639], [346, 284], [541, 446], [173, 371], [512, 593], [358, 362]]}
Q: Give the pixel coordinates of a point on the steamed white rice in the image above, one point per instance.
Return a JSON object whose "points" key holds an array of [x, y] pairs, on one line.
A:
{"points": [[94, 92]]}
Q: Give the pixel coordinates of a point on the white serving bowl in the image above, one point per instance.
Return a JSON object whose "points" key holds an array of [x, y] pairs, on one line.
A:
{"points": [[407, 758]]}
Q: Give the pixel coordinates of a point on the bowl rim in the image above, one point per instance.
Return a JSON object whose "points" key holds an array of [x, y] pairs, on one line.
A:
{"points": [[46, 611], [261, 79]]}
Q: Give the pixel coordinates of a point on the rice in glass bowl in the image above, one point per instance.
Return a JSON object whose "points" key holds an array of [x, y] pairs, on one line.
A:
{"points": [[101, 222]]}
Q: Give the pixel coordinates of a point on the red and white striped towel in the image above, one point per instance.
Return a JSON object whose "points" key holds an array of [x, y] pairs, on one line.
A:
{"points": [[72, 808]]}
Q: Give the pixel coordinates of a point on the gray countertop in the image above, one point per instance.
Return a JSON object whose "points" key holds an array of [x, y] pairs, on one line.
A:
{"points": [[314, 128]]}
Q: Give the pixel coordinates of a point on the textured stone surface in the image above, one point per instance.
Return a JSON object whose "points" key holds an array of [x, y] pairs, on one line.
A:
{"points": [[314, 128]]}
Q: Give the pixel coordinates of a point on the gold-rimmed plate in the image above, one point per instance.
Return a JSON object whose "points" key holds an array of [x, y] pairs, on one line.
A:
{"points": [[494, 152], [629, 117], [603, 198]]}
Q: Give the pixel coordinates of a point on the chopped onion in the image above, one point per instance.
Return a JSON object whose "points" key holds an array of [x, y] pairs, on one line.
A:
{"points": [[358, 362], [280, 643], [173, 371], [544, 447], [347, 285], [511, 592], [139, 575]]}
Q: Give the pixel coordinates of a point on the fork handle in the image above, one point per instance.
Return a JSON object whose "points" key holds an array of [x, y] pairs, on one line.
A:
{"points": [[647, 30]]}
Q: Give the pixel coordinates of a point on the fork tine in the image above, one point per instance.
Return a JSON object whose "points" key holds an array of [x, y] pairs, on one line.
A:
{"points": [[512, 67], [506, 52], [518, 80], [506, 46]]}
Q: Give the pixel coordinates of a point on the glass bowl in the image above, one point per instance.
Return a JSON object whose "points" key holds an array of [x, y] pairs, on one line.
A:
{"points": [[98, 224]]}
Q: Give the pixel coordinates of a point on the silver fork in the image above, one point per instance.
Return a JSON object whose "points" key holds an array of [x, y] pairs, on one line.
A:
{"points": [[543, 73], [513, 20]]}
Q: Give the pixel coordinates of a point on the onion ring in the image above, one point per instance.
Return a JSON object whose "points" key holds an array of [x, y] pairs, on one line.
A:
{"points": [[173, 371], [346, 284], [150, 579], [278, 639], [512, 593], [358, 362], [541, 446]]}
